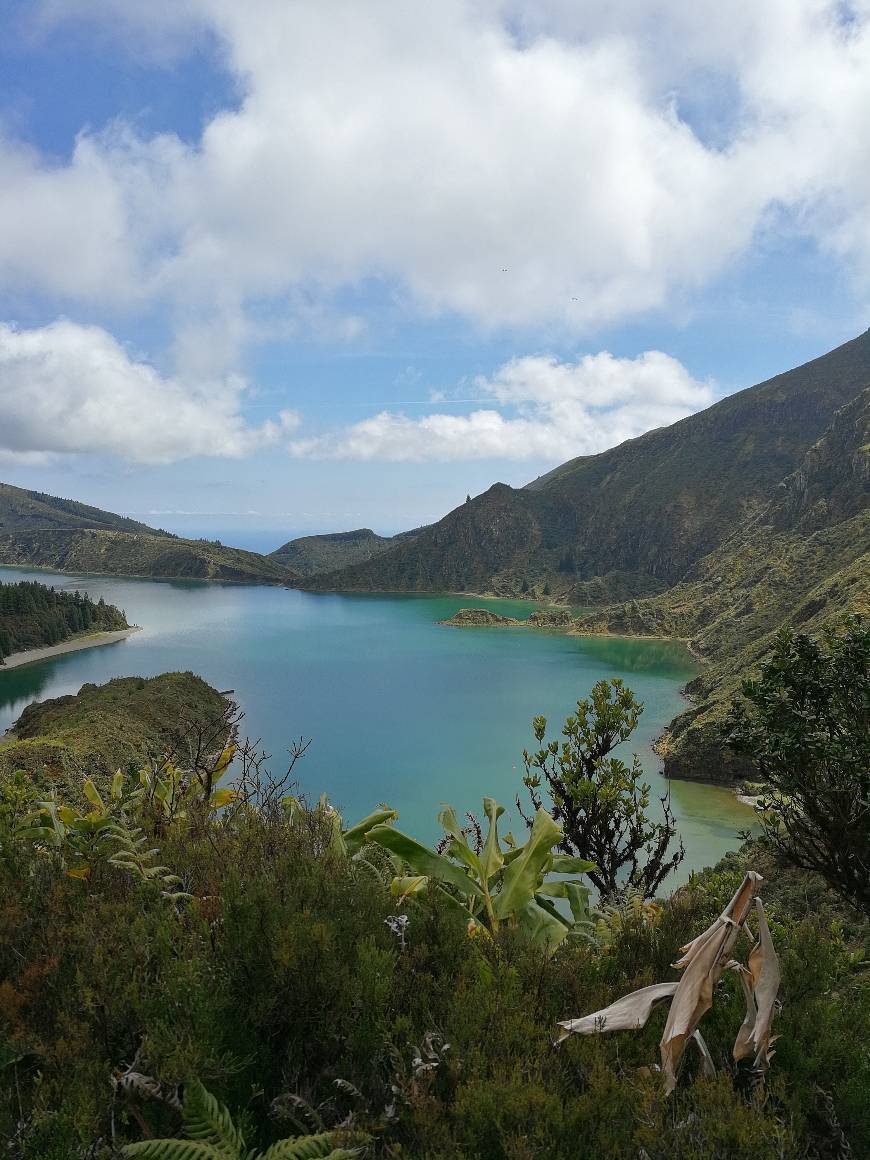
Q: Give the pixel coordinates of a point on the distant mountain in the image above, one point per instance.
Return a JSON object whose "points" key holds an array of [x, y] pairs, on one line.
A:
{"points": [[313, 555], [636, 518], [43, 531], [800, 562]]}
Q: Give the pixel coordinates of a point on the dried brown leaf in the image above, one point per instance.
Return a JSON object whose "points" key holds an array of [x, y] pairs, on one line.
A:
{"points": [[629, 1013]]}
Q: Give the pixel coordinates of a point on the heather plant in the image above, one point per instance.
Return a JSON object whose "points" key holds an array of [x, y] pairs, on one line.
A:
{"points": [[280, 984]]}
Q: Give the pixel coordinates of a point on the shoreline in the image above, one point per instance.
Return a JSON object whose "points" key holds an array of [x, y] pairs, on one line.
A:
{"points": [[75, 644], [144, 576]]}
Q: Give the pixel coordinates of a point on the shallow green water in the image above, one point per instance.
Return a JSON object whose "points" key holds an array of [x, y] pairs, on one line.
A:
{"points": [[400, 708]]}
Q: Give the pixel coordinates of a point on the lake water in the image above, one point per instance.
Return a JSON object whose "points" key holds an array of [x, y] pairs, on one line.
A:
{"points": [[400, 709]]}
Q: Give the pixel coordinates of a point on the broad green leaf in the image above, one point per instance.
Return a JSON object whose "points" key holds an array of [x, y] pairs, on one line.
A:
{"points": [[423, 860], [522, 876], [401, 887], [578, 900], [221, 798], [567, 864], [556, 888], [93, 796], [356, 837], [544, 927], [492, 859], [459, 847], [462, 852], [223, 761]]}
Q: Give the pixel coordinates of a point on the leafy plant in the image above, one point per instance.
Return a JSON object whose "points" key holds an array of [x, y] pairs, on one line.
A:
{"points": [[599, 800], [212, 1135], [489, 885], [805, 721], [103, 833], [169, 792]]}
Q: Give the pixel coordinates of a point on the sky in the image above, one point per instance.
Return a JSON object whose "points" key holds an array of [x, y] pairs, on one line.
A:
{"points": [[284, 267]]}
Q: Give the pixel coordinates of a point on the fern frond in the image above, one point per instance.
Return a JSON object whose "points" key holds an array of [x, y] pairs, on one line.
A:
{"points": [[319, 1147], [175, 1150], [209, 1122]]}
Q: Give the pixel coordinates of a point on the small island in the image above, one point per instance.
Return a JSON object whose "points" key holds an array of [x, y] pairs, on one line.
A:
{"points": [[479, 618], [484, 618]]}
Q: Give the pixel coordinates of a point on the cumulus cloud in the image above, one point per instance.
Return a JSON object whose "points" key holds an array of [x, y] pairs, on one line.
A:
{"points": [[519, 164], [564, 409], [66, 388]]}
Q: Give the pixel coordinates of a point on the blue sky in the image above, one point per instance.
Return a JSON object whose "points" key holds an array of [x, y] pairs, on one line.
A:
{"points": [[282, 267]]}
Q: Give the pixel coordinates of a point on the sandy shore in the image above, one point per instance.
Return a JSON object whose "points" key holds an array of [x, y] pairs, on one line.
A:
{"points": [[55, 650]]}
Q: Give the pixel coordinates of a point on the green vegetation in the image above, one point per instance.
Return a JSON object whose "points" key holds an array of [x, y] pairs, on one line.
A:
{"points": [[313, 555], [43, 531], [216, 1137], [635, 518], [488, 885], [801, 563], [32, 616], [251, 970], [119, 724], [805, 722], [599, 801]]}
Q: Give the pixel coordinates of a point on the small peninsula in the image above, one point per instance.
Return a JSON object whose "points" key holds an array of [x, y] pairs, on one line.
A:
{"points": [[37, 622]]}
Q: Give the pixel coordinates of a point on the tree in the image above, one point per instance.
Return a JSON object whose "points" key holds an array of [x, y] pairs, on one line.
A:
{"points": [[599, 800], [805, 721]]}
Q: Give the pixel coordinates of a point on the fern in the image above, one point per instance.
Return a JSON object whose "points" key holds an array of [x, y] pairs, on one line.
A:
{"points": [[209, 1121], [213, 1136], [320, 1147]]}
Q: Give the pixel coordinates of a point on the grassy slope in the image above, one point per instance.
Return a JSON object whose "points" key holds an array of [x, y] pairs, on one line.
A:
{"points": [[642, 513], [311, 555], [103, 727], [802, 561], [46, 532]]}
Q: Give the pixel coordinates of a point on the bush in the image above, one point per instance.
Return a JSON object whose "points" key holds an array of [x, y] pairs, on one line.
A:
{"points": [[283, 989]]}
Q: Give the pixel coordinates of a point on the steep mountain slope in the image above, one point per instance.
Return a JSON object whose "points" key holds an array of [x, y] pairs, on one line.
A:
{"points": [[46, 532], [642, 513], [801, 562], [312, 555]]}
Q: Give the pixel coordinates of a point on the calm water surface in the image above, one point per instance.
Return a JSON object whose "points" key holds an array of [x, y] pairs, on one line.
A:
{"points": [[401, 709]]}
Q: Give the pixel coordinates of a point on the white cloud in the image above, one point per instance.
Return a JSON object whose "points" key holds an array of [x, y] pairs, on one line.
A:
{"points": [[66, 388], [602, 161], [564, 409]]}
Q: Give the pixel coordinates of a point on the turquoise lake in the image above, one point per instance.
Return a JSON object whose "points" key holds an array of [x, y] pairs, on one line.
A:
{"points": [[400, 709]]}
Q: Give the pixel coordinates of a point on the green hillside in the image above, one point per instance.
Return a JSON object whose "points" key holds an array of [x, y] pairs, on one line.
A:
{"points": [[122, 724], [42, 531], [313, 555], [800, 562], [642, 513]]}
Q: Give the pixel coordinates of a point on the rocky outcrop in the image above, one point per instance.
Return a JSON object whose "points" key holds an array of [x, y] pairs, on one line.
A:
{"points": [[479, 618], [550, 618]]}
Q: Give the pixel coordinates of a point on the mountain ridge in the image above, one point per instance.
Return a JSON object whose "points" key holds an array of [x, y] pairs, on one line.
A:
{"points": [[647, 510], [44, 531]]}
